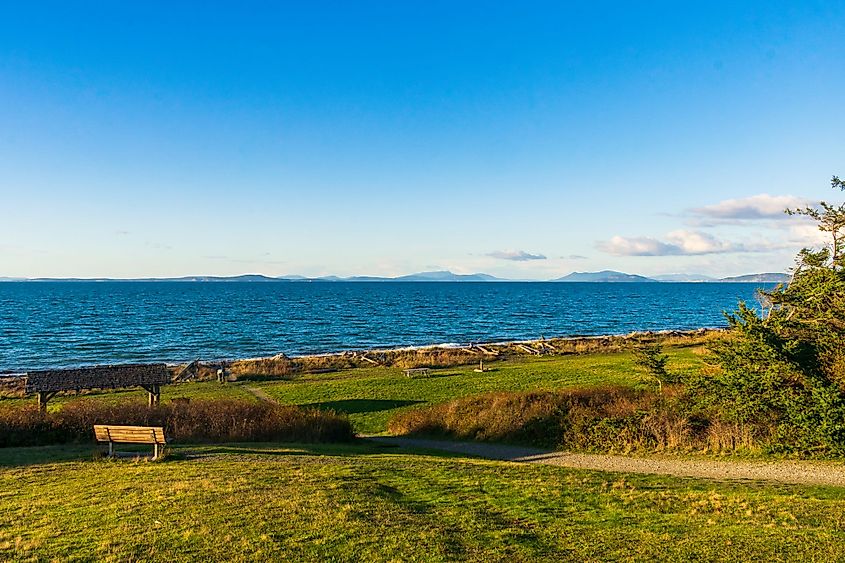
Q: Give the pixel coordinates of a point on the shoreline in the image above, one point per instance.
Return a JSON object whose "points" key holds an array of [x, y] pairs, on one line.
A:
{"points": [[458, 345], [416, 349]]}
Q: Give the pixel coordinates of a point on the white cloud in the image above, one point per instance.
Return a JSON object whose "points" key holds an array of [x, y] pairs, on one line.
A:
{"points": [[696, 242], [637, 246], [807, 235], [761, 206], [680, 243], [515, 255], [761, 218]]}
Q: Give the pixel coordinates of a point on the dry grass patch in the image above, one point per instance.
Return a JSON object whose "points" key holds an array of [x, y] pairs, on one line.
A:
{"points": [[193, 421], [605, 419]]}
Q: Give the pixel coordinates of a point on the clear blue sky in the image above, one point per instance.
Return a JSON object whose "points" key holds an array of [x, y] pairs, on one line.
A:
{"points": [[524, 139]]}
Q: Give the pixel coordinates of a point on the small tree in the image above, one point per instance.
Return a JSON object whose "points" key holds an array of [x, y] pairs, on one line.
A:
{"points": [[651, 359]]}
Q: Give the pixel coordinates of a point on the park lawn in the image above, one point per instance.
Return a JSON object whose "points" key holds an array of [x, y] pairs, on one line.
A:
{"points": [[253, 502], [372, 395]]}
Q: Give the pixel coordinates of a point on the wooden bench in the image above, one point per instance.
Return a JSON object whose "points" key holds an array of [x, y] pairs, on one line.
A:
{"points": [[131, 435], [414, 372]]}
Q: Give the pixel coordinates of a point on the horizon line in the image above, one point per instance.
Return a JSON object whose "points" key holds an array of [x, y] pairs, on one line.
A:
{"points": [[699, 278]]}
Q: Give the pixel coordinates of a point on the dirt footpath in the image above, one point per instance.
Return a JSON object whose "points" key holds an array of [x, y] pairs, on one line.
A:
{"points": [[780, 471]]}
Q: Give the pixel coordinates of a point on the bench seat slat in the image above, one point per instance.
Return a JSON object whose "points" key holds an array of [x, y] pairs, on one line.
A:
{"points": [[130, 434]]}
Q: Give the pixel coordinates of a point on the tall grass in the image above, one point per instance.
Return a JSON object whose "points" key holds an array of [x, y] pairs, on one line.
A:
{"points": [[194, 421], [11, 387], [606, 419]]}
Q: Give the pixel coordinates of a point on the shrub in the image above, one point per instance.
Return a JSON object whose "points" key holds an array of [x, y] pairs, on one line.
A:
{"points": [[608, 419], [195, 421], [651, 359]]}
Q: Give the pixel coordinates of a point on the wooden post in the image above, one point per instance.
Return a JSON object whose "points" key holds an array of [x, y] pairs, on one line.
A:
{"points": [[154, 395], [43, 398]]}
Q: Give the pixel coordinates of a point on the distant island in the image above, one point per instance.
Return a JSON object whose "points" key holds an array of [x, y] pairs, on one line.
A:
{"points": [[608, 276], [759, 278], [604, 276]]}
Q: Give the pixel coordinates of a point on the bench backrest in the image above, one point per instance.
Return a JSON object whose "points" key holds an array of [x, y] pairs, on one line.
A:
{"points": [[129, 434]]}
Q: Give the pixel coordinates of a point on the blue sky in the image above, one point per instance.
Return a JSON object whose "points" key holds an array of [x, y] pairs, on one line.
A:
{"points": [[523, 139]]}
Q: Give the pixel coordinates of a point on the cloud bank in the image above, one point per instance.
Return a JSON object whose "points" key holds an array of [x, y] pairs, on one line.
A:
{"points": [[678, 243], [515, 255], [764, 213], [761, 206]]}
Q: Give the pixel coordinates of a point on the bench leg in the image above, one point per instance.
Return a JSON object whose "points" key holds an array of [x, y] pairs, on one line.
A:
{"points": [[155, 451], [111, 449]]}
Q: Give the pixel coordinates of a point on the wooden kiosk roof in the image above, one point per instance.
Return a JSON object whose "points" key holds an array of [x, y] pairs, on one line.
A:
{"points": [[97, 377]]}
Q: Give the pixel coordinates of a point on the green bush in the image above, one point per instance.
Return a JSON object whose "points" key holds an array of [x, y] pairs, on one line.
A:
{"points": [[786, 366]]}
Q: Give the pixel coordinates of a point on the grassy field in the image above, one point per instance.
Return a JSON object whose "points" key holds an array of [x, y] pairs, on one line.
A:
{"points": [[254, 502], [364, 502], [372, 395]]}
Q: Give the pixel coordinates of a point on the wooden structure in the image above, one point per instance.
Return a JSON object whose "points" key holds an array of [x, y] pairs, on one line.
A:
{"points": [[188, 372], [131, 435], [488, 351], [481, 368], [415, 372], [528, 350], [47, 383]]}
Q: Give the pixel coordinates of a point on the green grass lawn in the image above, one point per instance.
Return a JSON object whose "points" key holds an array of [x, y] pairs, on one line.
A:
{"points": [[252, 502], [269, 502], [372, 395]]}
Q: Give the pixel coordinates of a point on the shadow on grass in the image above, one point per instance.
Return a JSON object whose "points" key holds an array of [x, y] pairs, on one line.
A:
{"points": [[358, 406], [64, 453], [357, 447], [34, 455]]}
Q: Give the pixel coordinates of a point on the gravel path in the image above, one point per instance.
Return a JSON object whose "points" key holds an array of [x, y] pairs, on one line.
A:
{"points": [[780, 471]]}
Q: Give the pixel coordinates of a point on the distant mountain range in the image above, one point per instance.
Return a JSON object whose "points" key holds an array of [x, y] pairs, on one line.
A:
{"points": [[605, 276], [684, 278], [422, 276], [759, 278], [609, 276]]}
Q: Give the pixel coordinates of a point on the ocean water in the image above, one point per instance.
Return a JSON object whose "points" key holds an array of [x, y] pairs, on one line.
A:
{"points": [[62, 324]]}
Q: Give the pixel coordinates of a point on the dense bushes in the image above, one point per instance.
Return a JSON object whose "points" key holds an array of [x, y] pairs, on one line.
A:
{"points": [[762, 378], [195, 421], [786, 366], [611, 419]]}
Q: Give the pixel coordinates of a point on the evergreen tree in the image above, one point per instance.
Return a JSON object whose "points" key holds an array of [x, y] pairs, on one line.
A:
{"points": [[786, 368]]}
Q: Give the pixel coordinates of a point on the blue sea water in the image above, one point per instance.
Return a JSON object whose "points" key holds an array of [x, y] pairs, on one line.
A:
{"points": [[61, 324]]}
